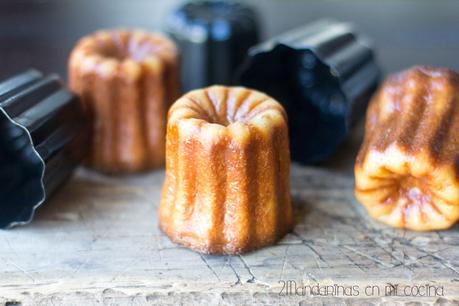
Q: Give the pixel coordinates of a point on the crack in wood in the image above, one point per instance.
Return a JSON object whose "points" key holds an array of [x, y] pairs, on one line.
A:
{"points": [[309, 246], [253, 278], [238, 278], [284, 261], [208, 266]]}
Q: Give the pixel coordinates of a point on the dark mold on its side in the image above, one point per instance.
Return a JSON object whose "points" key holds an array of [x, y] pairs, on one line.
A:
{"points": [[42, 134], [323, 74]]}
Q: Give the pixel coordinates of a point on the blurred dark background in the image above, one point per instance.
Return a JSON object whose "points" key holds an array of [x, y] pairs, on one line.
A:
{"points": [[42, 33]]}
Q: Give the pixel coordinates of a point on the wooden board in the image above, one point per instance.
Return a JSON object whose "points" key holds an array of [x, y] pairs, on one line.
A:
{"points": [[97, 242]]}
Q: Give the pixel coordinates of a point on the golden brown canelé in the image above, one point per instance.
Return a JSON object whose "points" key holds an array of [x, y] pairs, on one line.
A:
{"points": [[227, 171], [126, 81], [407, 170]]}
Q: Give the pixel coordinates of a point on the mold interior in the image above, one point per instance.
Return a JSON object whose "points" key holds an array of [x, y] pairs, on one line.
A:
{"points": [[20, 174], [309, 93]]}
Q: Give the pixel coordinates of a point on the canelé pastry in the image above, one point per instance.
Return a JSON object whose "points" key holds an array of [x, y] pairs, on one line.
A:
{"points": [[127, 81], [227, 171], [407, 170]]}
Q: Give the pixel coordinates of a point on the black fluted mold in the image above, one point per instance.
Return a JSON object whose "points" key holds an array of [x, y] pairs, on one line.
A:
{"points": [[213, 38], [323, 74], [42, 135]]}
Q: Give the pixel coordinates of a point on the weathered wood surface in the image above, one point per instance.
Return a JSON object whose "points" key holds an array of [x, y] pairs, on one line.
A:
{"points": [[97, 242]]}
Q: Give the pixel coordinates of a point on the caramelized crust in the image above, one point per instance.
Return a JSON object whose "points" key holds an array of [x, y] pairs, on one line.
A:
{"points": [[127, 81], [227, 171], [407, 170]]}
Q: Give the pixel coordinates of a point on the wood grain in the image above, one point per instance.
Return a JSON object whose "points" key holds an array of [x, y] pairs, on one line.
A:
{"points": [[97, 242]]}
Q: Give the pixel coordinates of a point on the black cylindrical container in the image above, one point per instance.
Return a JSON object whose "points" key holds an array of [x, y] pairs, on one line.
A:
{"points": [[323, 74], [42, 134], [213, 38]]}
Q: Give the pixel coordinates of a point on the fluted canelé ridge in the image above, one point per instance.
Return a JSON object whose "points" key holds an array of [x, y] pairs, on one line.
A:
{"points": [[407, 170], [126, 80], [227, 171]]}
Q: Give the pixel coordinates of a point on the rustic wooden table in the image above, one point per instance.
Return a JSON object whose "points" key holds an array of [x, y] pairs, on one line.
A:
{"points": [[97, 241]]}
